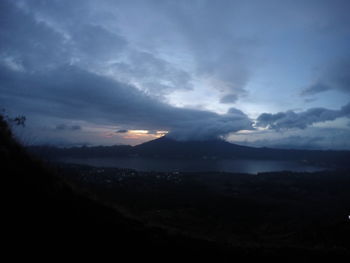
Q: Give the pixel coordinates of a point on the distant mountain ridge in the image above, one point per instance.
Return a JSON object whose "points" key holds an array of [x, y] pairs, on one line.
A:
{"points": [[165, 147], [192, 149]]}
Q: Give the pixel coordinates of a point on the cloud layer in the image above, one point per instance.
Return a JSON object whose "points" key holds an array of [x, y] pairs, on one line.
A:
{"points": [[71, 93], [301, 120], [335, 77], [92, 68]]}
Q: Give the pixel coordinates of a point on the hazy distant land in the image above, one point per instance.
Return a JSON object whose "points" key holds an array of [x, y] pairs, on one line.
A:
{"points": [[167, 155]]}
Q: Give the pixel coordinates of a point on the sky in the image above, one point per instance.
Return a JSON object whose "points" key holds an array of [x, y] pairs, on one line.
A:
{"points": [[106, 72]]}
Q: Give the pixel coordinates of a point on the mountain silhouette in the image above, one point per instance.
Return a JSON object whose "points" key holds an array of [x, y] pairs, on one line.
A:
{"points": [[216, 149], [166, 147]]}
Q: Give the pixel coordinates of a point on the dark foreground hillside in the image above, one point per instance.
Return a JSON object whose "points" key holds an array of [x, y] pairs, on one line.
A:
{"points": [[47, 216], [42, 214]]}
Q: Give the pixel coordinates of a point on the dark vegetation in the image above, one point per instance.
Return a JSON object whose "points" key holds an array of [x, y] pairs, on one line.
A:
{"points": [[78, 212], [299, 210]]}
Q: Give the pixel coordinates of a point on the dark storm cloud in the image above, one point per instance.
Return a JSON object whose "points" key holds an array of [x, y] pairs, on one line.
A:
{"points": [[221, 54], [334, 77], [301, 120], [62, 127], [93, 41], [71, 93], [48, 68], [308, 100], [39, 36], [225, 36], [316, 88], [115, 62], [229, 98], [213, 127], [157, 76], [122, 131], [26, 43]]}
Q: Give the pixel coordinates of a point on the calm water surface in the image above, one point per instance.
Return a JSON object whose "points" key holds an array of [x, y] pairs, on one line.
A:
{"points": [[171, 165]]}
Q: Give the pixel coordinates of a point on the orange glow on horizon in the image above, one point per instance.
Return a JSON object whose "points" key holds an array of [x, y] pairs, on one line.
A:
{"points": [[143, 134], [138, 131], [134, 137]]}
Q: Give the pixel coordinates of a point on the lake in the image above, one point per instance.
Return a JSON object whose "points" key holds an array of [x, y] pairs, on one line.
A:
{"points": [[172, 165]]}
